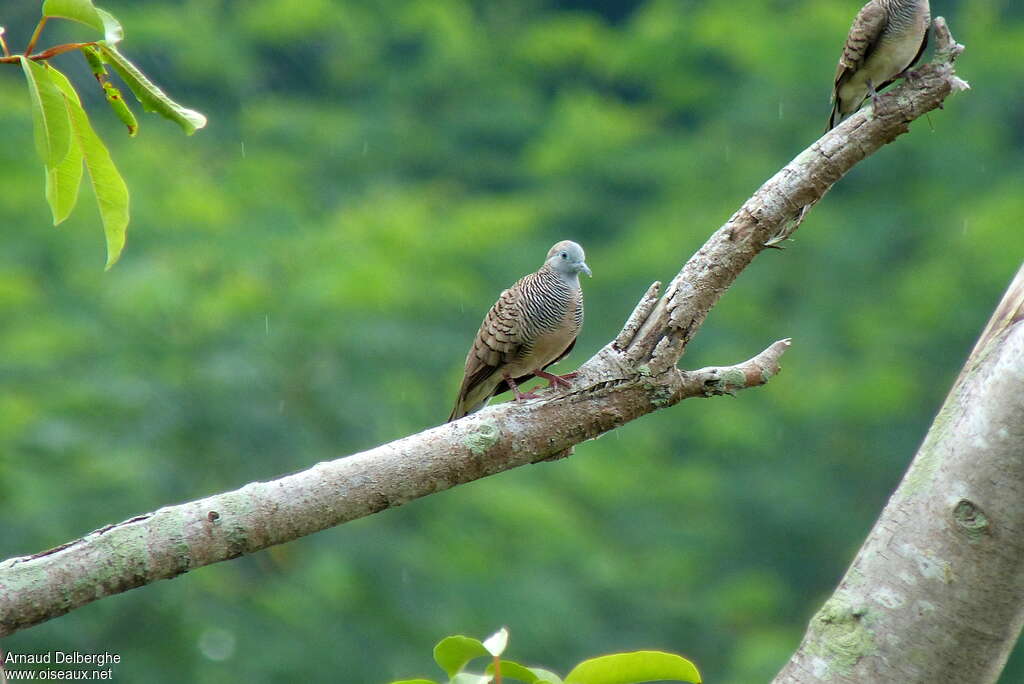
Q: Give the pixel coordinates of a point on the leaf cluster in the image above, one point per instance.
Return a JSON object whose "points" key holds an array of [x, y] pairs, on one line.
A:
{"points": [[65, 138], [454, 653]]}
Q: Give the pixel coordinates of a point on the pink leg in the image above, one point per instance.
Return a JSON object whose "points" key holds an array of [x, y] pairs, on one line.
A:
{"points": [[873, 93], [909, 73], [515, 390], [556, 380]]}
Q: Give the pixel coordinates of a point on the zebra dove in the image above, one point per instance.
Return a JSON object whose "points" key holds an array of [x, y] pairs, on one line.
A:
{"points": [[886, 39], [533, 324]]}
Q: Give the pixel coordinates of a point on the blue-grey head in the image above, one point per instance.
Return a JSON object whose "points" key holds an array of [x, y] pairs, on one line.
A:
{"points": [[566, 258]]}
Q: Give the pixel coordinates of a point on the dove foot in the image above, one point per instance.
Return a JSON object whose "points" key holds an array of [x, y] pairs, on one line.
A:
{"points": [[873, 94], [910, 74], [556, 380], [520, 396]]}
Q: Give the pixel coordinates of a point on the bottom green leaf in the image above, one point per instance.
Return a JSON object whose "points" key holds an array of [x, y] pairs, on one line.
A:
{"points": [[545, 676], [469, 678], [531, 675], [634, 668], [513, 670]]}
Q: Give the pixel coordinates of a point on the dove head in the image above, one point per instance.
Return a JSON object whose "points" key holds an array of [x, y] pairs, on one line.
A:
{"points": [[567, 259]]}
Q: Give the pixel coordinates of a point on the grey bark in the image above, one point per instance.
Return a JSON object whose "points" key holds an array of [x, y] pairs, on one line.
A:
{"points": [[936, 594], [631, 376]]}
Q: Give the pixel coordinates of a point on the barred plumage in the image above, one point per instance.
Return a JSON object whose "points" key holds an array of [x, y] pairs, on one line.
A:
{"points": [[887, 38], [533, 324]]}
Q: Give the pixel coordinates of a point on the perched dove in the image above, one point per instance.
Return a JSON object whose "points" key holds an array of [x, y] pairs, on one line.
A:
{"points": [[886, 39], [533, 324]]}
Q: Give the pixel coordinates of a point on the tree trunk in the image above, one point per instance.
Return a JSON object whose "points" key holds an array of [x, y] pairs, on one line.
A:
{"points": [[936, 594]]}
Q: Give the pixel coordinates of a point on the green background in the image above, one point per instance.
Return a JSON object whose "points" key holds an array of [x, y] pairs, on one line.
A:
{"points": [[303, 278]]}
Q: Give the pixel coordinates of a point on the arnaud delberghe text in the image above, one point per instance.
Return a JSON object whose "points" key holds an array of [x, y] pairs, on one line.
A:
{"points": [[62, 658]]}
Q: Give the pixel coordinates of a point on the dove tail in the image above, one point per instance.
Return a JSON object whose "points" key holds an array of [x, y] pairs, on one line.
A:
{"points": [[835, 118]]}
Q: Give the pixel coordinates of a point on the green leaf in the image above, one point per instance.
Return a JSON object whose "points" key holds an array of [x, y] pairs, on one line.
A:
{"points": [[545, 676], [530, 675], [81, 11], [84, 12], [415, 681], [113, 32], [107, 185], [452, 653], [633, 668], [63, 182], [467, 678], [49, 115], [152, 98]]}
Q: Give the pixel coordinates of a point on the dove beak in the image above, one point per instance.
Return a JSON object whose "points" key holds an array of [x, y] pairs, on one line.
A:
{"points": [[586, 269]]}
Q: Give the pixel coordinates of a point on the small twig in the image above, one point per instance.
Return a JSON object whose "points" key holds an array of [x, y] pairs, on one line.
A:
{"points": [[717, 380], [946, 48], [3, 43], [47, 53], [59, 50], [35, 35], [637, 318]]}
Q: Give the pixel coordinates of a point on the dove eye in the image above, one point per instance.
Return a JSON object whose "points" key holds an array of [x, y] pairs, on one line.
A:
{"points": [[565, 255]]}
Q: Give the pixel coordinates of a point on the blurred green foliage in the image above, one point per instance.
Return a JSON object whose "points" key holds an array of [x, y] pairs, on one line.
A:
{"points": [[303, 278]]}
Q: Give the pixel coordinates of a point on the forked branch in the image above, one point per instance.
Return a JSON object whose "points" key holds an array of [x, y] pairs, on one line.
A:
{"points": [[631, 376]]}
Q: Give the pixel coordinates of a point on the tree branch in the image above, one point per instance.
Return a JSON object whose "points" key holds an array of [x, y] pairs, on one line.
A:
{"points": [[631, 376], [936, 593], [176, 539]]}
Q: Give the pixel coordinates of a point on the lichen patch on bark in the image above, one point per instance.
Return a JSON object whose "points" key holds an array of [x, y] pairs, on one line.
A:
{"points": [[483, 438], [842, 637]]}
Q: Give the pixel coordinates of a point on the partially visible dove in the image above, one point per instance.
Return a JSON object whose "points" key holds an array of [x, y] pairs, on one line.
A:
{"points": [[886, 39], [533, 324]]}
